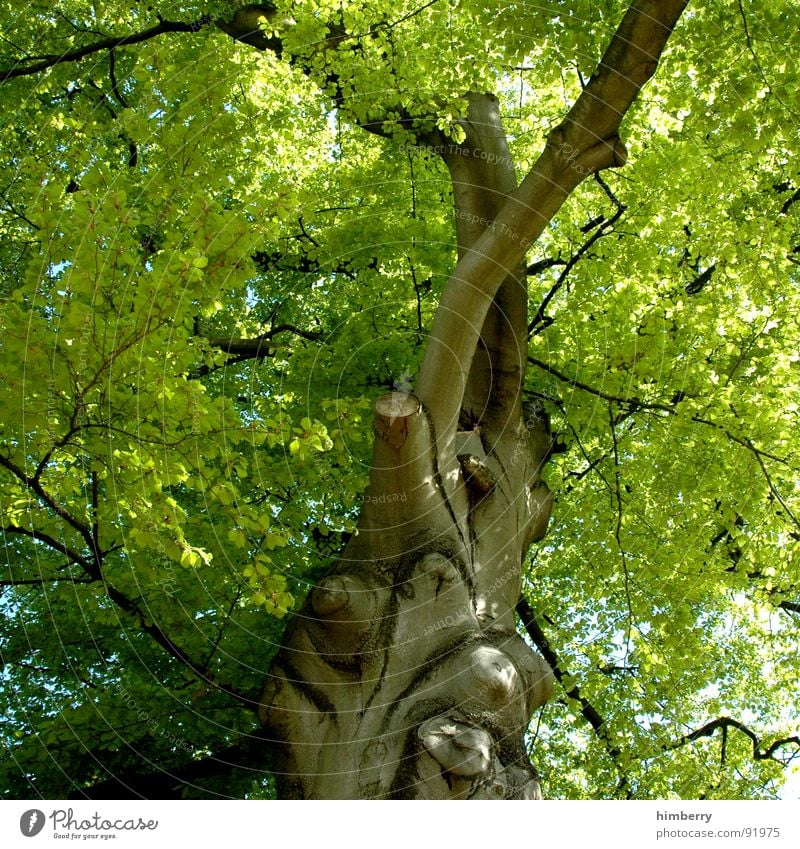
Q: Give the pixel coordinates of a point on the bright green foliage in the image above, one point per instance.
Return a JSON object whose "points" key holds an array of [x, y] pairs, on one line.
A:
{"points": [[189, 190]]}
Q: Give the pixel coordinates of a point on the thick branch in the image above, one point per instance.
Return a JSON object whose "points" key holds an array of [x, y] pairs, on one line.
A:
{"points": [[104, 44], [585, 142], [259, 346], [789, 203], [700, 282], [483, 177], [407, 496], [251, 349]]}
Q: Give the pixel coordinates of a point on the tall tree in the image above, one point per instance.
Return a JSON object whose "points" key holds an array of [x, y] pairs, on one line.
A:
{"points": [[228, 262]]}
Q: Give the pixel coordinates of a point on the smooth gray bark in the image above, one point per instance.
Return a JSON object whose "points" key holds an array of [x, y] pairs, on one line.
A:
{"points": [[403, 675]]}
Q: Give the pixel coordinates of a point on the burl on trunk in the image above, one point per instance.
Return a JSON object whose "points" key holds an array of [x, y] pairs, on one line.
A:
{"points": [[403, 675]]}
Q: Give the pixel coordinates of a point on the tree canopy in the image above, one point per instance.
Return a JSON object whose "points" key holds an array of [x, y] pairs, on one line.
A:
{"points": [[216, 252]]}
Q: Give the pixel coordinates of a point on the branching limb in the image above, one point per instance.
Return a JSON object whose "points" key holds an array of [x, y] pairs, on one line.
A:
{"points": [[723, 723], [585, 142], [92, 568], [75, 557], [252, 349], [540, 321], [588, 711], [30, 68], [160, 637], [34, 484], [634, 404]]}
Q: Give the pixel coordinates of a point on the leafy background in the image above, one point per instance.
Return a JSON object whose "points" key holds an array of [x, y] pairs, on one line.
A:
{"points": [[166, 502]]}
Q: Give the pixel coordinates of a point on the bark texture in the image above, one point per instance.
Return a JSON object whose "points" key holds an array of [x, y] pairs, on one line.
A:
{"points": [[403, 676]]}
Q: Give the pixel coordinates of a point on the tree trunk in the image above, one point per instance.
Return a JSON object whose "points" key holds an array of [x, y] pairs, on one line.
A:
{"points": [[403, 675]]}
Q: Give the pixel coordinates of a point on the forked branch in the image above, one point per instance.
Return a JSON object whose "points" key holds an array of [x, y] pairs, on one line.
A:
{"points": [[585, 142], [761, 752], [26, 69]]}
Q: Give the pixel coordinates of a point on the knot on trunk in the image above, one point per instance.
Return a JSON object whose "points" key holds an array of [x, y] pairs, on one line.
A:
{"points": [[458, 759]]}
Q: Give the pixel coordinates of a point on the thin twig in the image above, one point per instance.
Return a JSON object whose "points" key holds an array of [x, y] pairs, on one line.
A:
{"points": [[618, 530]]}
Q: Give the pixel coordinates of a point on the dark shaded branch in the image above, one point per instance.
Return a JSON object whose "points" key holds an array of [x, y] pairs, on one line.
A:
{"points": [[634, 403], [96, 517], [726, 722], [591, 465], [751, 49], [222, 628], [588, 711], [104, 44], [244, 27], [259, 345], [770, 484], [543, 264], [88, 565], [35, 485], [421, 288], [744, 442], [412, 14], [133, 150], [791, 606], [540, 320], [790, 202], [39, 582], [699, 282], [277, 260], [156, 633], [112, 72], [71, 431]]}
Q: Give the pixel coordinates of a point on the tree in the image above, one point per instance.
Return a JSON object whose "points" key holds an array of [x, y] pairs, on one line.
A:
{"points": [[237, 241]]}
